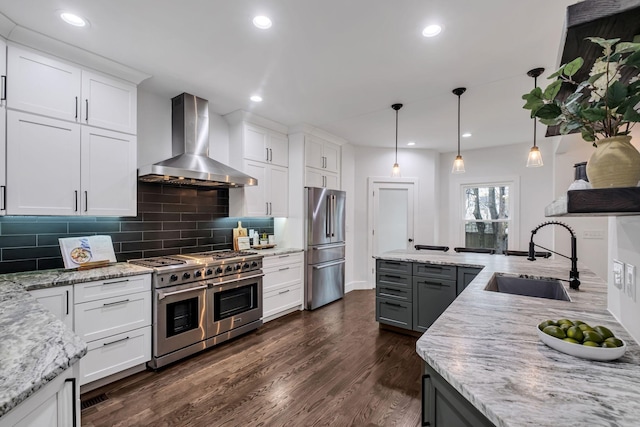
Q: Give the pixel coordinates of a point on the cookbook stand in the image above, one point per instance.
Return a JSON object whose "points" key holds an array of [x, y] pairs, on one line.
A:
{"points": [[85, 253]]}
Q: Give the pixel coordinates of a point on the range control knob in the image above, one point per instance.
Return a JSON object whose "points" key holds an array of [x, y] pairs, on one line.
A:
{"points": [[254, 264], [186, 276], [246, 265], [228, 268], [218, 270], [238, 266], [173, 278], [209, 272], [198, 273]]}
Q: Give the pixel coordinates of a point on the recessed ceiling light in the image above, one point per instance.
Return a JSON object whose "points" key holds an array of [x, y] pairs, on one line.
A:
{"points": [[262, 22], [73, 19], [431, 30], [466, 135], [256, 98], [411, 143]]}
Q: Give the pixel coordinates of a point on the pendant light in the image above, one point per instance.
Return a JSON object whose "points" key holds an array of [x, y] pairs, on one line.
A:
{"points": [[535, 157], [458, 163], [395, 172]]}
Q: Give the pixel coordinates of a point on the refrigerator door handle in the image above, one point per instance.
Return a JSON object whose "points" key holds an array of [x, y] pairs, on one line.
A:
{"points": [[333, 222], [318, 267], [329, 218], [323, 247]]}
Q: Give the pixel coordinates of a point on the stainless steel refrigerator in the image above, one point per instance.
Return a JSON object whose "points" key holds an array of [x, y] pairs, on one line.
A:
{"points": [[324, 225]]}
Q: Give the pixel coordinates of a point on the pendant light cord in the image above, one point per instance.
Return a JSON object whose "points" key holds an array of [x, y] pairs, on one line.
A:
{"points": [[535, 85], [459, 125], [396, 136]]}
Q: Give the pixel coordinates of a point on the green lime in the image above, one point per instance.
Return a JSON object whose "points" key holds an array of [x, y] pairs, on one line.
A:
{"points": [[575, 333], [609, 344], [554, 331], [578, 322], [546, 323], [613, 340], [605, 332], [565, 326], [592, 336], [564, 321], [585, 327], [571, 340], [591, 344]]}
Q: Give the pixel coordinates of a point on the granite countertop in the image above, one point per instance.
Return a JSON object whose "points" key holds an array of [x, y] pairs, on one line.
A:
{"points": [[486, 346], [35, 347], [276, 251]]}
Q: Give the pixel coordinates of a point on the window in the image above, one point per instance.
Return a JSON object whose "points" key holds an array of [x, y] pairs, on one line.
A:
{"points": [[487, 216]]}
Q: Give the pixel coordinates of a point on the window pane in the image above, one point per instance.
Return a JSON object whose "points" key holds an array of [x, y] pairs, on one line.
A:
{"points": [[485, 203], [482, 234]]}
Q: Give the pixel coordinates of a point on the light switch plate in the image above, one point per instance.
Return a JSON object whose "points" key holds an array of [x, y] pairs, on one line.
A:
{"points": [[618, 274], [630, 281]]}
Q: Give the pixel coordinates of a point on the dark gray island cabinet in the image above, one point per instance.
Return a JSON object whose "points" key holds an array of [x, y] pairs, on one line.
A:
{"points": [[412, 295]]}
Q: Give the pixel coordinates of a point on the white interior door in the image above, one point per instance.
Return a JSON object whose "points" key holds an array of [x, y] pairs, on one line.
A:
{"points": [[392, 213]]}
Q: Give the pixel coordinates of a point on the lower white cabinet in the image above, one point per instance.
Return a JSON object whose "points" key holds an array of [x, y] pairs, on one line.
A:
{"points": [[59, 301], [57, 404], [282, 290]]}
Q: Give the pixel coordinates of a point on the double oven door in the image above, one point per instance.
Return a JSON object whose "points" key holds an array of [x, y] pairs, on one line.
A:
{"points": [[233, 303]]}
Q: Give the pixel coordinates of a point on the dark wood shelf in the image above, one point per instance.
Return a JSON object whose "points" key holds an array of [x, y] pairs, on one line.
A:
{"points": [[597, 202], [595, 18]]}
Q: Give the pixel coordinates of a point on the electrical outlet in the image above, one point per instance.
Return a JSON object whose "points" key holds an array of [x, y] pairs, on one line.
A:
{"points": [[618, 274], [630, 281]]}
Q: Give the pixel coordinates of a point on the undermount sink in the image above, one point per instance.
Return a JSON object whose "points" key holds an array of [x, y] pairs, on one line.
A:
{"points": [[539, 288]]}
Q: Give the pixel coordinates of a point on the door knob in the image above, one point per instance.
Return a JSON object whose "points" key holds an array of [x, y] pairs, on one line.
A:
{"points": [[410, 240]]}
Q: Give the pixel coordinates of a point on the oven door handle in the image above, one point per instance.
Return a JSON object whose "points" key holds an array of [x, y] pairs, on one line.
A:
{"points": [[162, 295], [226, 282]]}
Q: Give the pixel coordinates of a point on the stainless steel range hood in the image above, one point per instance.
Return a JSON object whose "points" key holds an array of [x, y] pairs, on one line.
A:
{"points": [[191, 164]]}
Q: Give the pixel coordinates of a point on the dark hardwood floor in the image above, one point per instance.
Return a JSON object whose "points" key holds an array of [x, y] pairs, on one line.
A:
{"points": [[329, 367]]}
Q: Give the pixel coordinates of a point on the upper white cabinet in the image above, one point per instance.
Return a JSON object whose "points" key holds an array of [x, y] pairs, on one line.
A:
{"points": [[94, 170], [260, 148], [46, 86], [3, 126], [321, 154]]}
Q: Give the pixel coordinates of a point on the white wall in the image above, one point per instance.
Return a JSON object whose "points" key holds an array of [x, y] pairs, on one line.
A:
{"points": [[154, 130], [376, 162], [347, 177], [496, 164]]}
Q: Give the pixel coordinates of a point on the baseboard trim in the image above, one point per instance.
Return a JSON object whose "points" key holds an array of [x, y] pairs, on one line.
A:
{"points": [[357, 286]]}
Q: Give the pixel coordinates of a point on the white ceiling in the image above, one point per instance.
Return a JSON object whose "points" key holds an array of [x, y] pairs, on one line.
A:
{"points": [[334, 64]]}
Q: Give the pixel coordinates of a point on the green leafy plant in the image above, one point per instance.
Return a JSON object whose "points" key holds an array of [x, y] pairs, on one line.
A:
{"points": [[604, 105]]}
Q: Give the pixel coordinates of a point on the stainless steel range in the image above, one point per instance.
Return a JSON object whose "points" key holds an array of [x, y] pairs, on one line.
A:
{"points": [[202, 299]]}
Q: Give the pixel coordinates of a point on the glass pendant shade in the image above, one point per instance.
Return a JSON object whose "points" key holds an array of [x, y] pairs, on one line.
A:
{"points": [[535, 158], [395, 172], [458, 165]]}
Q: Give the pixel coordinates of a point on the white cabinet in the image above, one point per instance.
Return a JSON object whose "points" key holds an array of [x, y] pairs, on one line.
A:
{"points": [[321, 161], [3, 126], [94, 174], [59, 301], [57, 404], [262, 153], [114, 318], [282, 285], [50, 87]]}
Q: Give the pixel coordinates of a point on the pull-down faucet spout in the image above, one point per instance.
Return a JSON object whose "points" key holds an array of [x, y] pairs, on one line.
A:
{"points": [[574, 282]]}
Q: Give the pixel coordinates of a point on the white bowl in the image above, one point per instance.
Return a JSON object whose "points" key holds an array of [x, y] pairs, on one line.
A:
{"points": [[583, 351]]}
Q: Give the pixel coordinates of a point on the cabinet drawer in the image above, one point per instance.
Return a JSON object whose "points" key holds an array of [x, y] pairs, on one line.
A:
{"points": [[447, 272], [100, 319], [396, 313], [278, 276], [285, 259], [282, 299], [393, 279], [92, 291], [388, 266], [114, 354], [396, 293]]}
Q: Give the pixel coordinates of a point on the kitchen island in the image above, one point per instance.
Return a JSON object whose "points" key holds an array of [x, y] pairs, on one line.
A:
{"points": [[36, 347], [486, 347]]}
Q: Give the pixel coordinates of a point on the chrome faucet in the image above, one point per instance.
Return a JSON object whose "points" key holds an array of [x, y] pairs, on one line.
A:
{"points": [[574, 283]]}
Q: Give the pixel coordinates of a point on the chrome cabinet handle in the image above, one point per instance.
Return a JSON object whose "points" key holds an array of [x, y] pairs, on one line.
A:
{"points": [[4, 88], [86, 110], [76, 108], [76, 197], [86, 201], [108, 304], [267, 206], [67, 302], [4, 197], [115, 281], [113, 342], [284, 292], [284, 268], [267, 158]]}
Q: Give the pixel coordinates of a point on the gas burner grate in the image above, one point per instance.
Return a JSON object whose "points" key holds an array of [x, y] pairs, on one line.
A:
{"points": [[157, 262], [223, 254]]}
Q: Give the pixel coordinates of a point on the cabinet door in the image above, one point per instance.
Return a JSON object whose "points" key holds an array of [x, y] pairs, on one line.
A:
{"points": [[313, 178], [3, 160], [279, 190], [278, 149], [331, 181], [109, 176], [313, 153], [255, 197], [3, 73], [43, 165], [42, 85], [108, 103], [255, 144], [431, 297], [59, 301], [466, 276], [331, 157]]}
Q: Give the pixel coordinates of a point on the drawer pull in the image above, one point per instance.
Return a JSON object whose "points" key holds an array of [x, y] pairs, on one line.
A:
{"points": [[116, 341], [392, 304], [391, 289], [284, 292], [115, 281], [115, 303], [393, 277], [393, 262], [284, 268], [434, 284], [283, 256]]}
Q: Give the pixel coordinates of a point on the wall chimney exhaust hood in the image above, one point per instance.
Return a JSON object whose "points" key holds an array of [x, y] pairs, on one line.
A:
{"points": [[191, 164]]}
